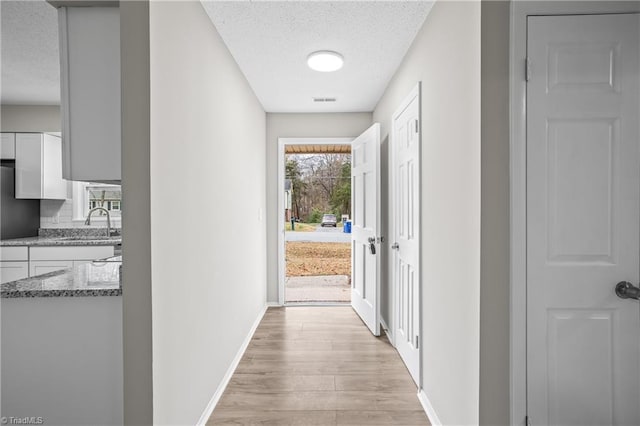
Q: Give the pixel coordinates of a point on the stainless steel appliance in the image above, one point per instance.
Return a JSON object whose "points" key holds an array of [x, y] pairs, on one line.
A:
{"points": [[18, 218]]}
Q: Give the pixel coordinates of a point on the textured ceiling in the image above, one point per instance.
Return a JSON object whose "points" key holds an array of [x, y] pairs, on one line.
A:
{"points": [[29, 53], [270, 41]]}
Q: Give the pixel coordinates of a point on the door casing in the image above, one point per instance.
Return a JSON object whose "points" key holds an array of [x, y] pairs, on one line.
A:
{"points": [[520, 10], [282, 142]]}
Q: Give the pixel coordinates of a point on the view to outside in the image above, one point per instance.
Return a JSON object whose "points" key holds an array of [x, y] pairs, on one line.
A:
{"points": [[108, 197], [318, 249]]}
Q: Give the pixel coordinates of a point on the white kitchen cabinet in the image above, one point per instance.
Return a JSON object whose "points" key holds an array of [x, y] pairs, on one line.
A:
{"points": [[8, 146], [45, 259], [90, 82], [14, 263], [39, 267], [39, 167], [21, 261], [70, 252], [15, 253], [11, 271]]}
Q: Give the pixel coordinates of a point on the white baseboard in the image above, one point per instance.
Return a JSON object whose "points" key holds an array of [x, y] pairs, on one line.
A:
{"points": [[428, 408], [232, 368], [273, 305]]}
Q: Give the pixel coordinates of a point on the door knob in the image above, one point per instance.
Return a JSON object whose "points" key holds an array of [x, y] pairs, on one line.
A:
{"points": [[395, 246], [626, 290]]}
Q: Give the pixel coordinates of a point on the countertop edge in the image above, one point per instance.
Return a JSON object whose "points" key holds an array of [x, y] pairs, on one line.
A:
{"points": [[73, 243], [60, 293]]}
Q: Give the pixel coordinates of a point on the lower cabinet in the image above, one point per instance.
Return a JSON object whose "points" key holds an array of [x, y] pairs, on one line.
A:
{"points": [[24, 262], [14, 263], [11, 271], [39, 267]]}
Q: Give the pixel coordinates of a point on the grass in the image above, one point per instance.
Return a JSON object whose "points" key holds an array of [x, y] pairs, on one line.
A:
{"points": [[305, 258], [306, 227], [301, 227]]}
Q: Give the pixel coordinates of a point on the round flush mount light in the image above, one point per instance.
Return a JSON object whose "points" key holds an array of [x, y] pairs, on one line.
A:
{"points": [[325, 61]]}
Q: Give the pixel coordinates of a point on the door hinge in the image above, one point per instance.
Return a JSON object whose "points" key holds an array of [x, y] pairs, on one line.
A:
{"points": [[417, 124], [527, 69], [417, 343], [527, 420]]}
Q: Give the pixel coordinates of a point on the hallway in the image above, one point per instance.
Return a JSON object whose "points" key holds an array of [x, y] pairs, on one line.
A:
{"points": [[319, 366]]}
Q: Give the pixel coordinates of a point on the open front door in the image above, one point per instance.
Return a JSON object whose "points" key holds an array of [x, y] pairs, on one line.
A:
{"points": [[365, 247]]}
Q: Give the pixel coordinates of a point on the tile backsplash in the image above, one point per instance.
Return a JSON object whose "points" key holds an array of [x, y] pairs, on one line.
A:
{"points": [[59, 214]]}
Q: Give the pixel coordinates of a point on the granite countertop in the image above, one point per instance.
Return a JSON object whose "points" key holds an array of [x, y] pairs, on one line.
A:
{"points": [[83, 240], [97, 278]]}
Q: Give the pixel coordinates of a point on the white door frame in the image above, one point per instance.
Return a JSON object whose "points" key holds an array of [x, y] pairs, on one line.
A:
{"points": [[282, 142], [520, 10], [393, 296]]}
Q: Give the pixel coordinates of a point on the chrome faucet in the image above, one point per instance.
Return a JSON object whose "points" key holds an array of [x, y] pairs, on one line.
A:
{"points": [[88, 221]]}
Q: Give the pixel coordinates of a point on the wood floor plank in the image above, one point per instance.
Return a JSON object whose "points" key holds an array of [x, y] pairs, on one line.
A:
{"points": [[404, 418], [321, 355], [318, 366], [321, 345], [280, 383], [275, 418], [347, 335], [327, 326], [374, 401], [280, 401], [311, 401], [326, 367], [347, 345], [379, 383]]}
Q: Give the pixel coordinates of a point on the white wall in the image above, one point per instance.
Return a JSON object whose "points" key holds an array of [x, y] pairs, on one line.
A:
{"points": [[289, 125], [445, 56], [30, 118], [207, 167]]}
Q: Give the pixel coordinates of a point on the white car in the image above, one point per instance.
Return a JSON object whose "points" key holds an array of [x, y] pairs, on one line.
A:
{"points": [[329, 220]]}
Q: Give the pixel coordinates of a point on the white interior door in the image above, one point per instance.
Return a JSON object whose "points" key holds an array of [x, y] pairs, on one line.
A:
{"points": [[583, 220], [405, 172], [365, 227]]}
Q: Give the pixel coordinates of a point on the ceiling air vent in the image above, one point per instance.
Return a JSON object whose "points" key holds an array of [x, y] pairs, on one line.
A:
{"points": [[324, 99]]}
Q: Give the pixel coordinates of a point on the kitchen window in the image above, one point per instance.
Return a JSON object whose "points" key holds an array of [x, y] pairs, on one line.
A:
{"points": [[87, 196]]}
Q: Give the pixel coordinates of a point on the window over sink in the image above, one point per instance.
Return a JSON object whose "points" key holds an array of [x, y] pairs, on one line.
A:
{"points": [[88, 195]]}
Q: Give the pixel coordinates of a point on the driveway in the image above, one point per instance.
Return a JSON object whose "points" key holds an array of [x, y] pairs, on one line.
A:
{"points": [[320, 235]]}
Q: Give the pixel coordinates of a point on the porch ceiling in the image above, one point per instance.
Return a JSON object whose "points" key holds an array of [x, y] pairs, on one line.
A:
{"points": [[317, 149]]}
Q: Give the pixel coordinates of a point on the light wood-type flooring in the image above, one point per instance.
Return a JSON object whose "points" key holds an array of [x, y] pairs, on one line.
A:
{"points": [[318, 366]]}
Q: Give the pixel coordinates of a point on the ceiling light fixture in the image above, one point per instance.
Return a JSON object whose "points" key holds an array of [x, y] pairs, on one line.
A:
{"points": [[325, 61]]}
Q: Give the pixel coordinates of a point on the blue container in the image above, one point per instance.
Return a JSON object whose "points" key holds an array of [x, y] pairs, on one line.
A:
{"points": [[346, 227]]}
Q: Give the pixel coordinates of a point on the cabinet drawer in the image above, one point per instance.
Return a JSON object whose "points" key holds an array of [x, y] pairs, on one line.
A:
{"points": [[71, 252], [11, 271], [14, 253], [40, 267]]}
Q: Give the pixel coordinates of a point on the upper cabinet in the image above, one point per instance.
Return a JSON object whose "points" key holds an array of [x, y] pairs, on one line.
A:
{"points": [[39, 167], [90, 83], [8, 146]]}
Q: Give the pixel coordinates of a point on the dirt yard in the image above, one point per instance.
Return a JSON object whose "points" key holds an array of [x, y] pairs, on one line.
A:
{"points": [[304, 259]]}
